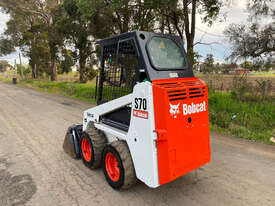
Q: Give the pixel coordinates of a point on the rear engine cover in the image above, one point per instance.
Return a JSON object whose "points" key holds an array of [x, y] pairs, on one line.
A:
{"points": [[182, 125]]}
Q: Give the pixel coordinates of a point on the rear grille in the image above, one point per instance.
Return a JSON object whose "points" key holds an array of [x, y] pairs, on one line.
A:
{"points": [[196, 92], [175, 95], [184, 89]]}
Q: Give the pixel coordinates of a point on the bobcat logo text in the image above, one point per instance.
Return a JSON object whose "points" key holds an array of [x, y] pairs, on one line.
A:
{"points": [[193, 108], [187, 108]]}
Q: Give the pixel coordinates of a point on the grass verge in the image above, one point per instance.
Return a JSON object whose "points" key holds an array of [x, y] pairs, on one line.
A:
{"points": [[250, 120], [75, 90]]}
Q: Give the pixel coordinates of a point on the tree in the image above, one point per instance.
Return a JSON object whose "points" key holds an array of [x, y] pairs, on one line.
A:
{"points": [[251, 42], [28, 33], [4, 64], [43, 28], [165, 16], [208, 65], [122, 15], [209, 60], [247, 65], [269, 63], [34, 44], [18, 23], [180, 17], [264, 64], [48, 12], [6, 46], [254, 40], [67, 61], [77, 31]]}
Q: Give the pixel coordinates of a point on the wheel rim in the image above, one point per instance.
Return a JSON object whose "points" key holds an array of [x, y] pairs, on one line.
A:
{"points": [[86, 150], [111, 165]]}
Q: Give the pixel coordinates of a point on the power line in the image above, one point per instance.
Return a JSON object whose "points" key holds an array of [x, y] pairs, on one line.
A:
{"points": [[216, 35]]}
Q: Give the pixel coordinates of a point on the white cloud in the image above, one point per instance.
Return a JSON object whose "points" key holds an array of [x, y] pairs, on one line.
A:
{"points": [[15, 57], [3, 19]]}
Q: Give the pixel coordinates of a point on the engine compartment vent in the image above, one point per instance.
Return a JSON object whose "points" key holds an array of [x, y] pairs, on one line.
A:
{"points": [[183, 89], [196, 92]]}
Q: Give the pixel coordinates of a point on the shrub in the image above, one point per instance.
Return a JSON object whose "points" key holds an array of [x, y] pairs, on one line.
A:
{"points": [[26, 70], [246, 119], [263, 88]]}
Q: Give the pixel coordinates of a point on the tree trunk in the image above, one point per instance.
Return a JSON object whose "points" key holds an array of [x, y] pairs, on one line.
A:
{"points": [[33, 59], [190, 35], [190, 51], [34, 71], [53, 47], [82, 68], [53, 51], [53, 68]]}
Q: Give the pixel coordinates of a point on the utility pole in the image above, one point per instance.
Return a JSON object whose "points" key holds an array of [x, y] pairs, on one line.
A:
{"points": [[15, 71], [22, 75], [15, 68]]}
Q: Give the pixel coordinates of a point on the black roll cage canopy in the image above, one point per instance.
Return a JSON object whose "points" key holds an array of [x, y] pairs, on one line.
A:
{"points": [[110, 47], [141, 38]]}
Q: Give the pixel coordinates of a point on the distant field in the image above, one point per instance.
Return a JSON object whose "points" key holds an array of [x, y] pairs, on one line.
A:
{"points": [[225, 82], [262, 74], [216, 81]]}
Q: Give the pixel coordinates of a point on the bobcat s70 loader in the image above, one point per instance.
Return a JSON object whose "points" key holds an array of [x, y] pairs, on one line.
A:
{"points": [[151, 120]]}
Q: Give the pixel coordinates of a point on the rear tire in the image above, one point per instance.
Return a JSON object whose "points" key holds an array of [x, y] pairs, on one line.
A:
{"points": [[118, 166], [91, 147]]}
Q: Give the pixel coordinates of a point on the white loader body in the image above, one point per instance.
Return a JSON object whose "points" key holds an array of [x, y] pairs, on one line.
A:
{"points": [[140, 136], [151, 120]]}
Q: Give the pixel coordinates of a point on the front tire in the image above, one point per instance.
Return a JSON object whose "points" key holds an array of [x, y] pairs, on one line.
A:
{"points": [[91, 146], [118, 166]]}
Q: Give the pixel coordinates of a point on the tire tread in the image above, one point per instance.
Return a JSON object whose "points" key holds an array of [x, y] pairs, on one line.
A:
{"points": [[98, 140], [129, 171]]}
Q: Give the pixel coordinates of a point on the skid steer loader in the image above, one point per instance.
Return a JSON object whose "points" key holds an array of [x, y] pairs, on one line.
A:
{"points": [[151, 120]]}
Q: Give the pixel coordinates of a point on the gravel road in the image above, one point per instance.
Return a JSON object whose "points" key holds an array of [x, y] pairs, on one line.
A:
{"points": [[34, 170]]}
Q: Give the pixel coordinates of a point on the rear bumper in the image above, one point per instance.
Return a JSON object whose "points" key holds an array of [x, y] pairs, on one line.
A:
{"points": [[191, 167]]}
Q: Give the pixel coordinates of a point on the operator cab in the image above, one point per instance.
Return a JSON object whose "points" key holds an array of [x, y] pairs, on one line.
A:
{"points": [[133, 57]]}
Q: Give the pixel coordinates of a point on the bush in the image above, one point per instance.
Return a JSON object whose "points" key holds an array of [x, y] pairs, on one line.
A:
{"points": [[263, 88], [26, 70], [246, 119], [245, 91], [241, 87], [91, 73]]}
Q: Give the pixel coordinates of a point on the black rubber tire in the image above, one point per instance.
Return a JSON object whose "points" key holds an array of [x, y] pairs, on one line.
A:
{"points": [[127, 171], [97, 141]]}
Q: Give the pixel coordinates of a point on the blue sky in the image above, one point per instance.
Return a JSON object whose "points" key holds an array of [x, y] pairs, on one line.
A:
{"points": [[236, 13]]}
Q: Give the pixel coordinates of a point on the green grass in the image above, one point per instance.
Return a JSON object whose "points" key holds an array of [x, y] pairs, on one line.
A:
{"points": [[250, 120], [262, 74], [6, 79], [76, 90]]}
